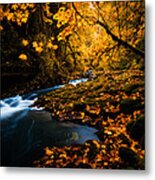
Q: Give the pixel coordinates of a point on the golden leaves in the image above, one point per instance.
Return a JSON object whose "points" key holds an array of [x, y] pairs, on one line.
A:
{"points": [[17, 13], [10, 16], [15, 6], [48, 151], [87, 103], [62, 16], [39, 49], [51, 46], [62, 9], [38, 46], [93, 109]]}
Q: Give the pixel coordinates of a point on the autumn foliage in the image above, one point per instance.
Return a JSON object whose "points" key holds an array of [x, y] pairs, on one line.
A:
{"points": [[75, 36], [61, 41]]}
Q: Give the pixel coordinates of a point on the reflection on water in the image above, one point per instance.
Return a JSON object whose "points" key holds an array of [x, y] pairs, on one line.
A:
{"points": [[26, 130]]}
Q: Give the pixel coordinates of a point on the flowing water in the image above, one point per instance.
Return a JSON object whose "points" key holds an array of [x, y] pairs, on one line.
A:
{"points": [[27, 130]]}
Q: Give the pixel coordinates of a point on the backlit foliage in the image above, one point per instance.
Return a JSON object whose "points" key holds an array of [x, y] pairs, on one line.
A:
{"points": [[18, 13], [87, 29]]}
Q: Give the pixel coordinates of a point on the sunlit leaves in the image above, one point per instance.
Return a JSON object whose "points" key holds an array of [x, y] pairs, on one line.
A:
{"points": [[38, 46], [93, 110], [115, 15], [18, 13], [77, 25], [51, 46], [42, 46], [62, 16]]}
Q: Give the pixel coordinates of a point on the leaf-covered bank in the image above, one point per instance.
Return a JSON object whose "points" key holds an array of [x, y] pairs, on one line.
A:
{"points": [[114, 104]]}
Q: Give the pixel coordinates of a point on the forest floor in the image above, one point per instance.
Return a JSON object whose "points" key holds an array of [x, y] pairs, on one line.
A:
{"points": [[113, 103]]}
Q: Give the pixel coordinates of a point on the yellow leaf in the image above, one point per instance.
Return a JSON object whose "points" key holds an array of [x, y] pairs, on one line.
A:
{"points": [[105, 163], [49, 45], [41, 44], [1, 28], [34, 44], [71, 105], [25, 42], [24, 20], [39, 49], [59, 38], [14, 6], [23, 57], [82, 115], [97, 144], [62, 156], [10, 16], [55, 16], [55, 47], [48, 151], [87, 107], [52, 38]]}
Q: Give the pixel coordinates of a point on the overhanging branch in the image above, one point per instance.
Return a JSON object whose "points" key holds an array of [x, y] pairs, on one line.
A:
{"points": [[120, 41]]}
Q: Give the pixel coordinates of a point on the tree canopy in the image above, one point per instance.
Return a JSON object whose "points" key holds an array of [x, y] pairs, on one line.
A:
{"points": [[73, 36]]}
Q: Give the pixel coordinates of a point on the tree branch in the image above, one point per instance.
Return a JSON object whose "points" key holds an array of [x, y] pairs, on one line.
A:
{"points": [[77, 12], [120, 41]]}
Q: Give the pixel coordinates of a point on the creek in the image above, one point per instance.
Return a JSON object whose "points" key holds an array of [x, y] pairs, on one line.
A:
{"points": [[26, 129]]}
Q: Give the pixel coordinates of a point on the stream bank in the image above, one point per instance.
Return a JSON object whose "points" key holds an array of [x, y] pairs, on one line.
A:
{"points": [[113, 103], [26, 129]]}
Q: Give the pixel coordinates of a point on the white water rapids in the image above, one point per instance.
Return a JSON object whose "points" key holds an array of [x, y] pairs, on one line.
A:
{"points": [[25, 129]]}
